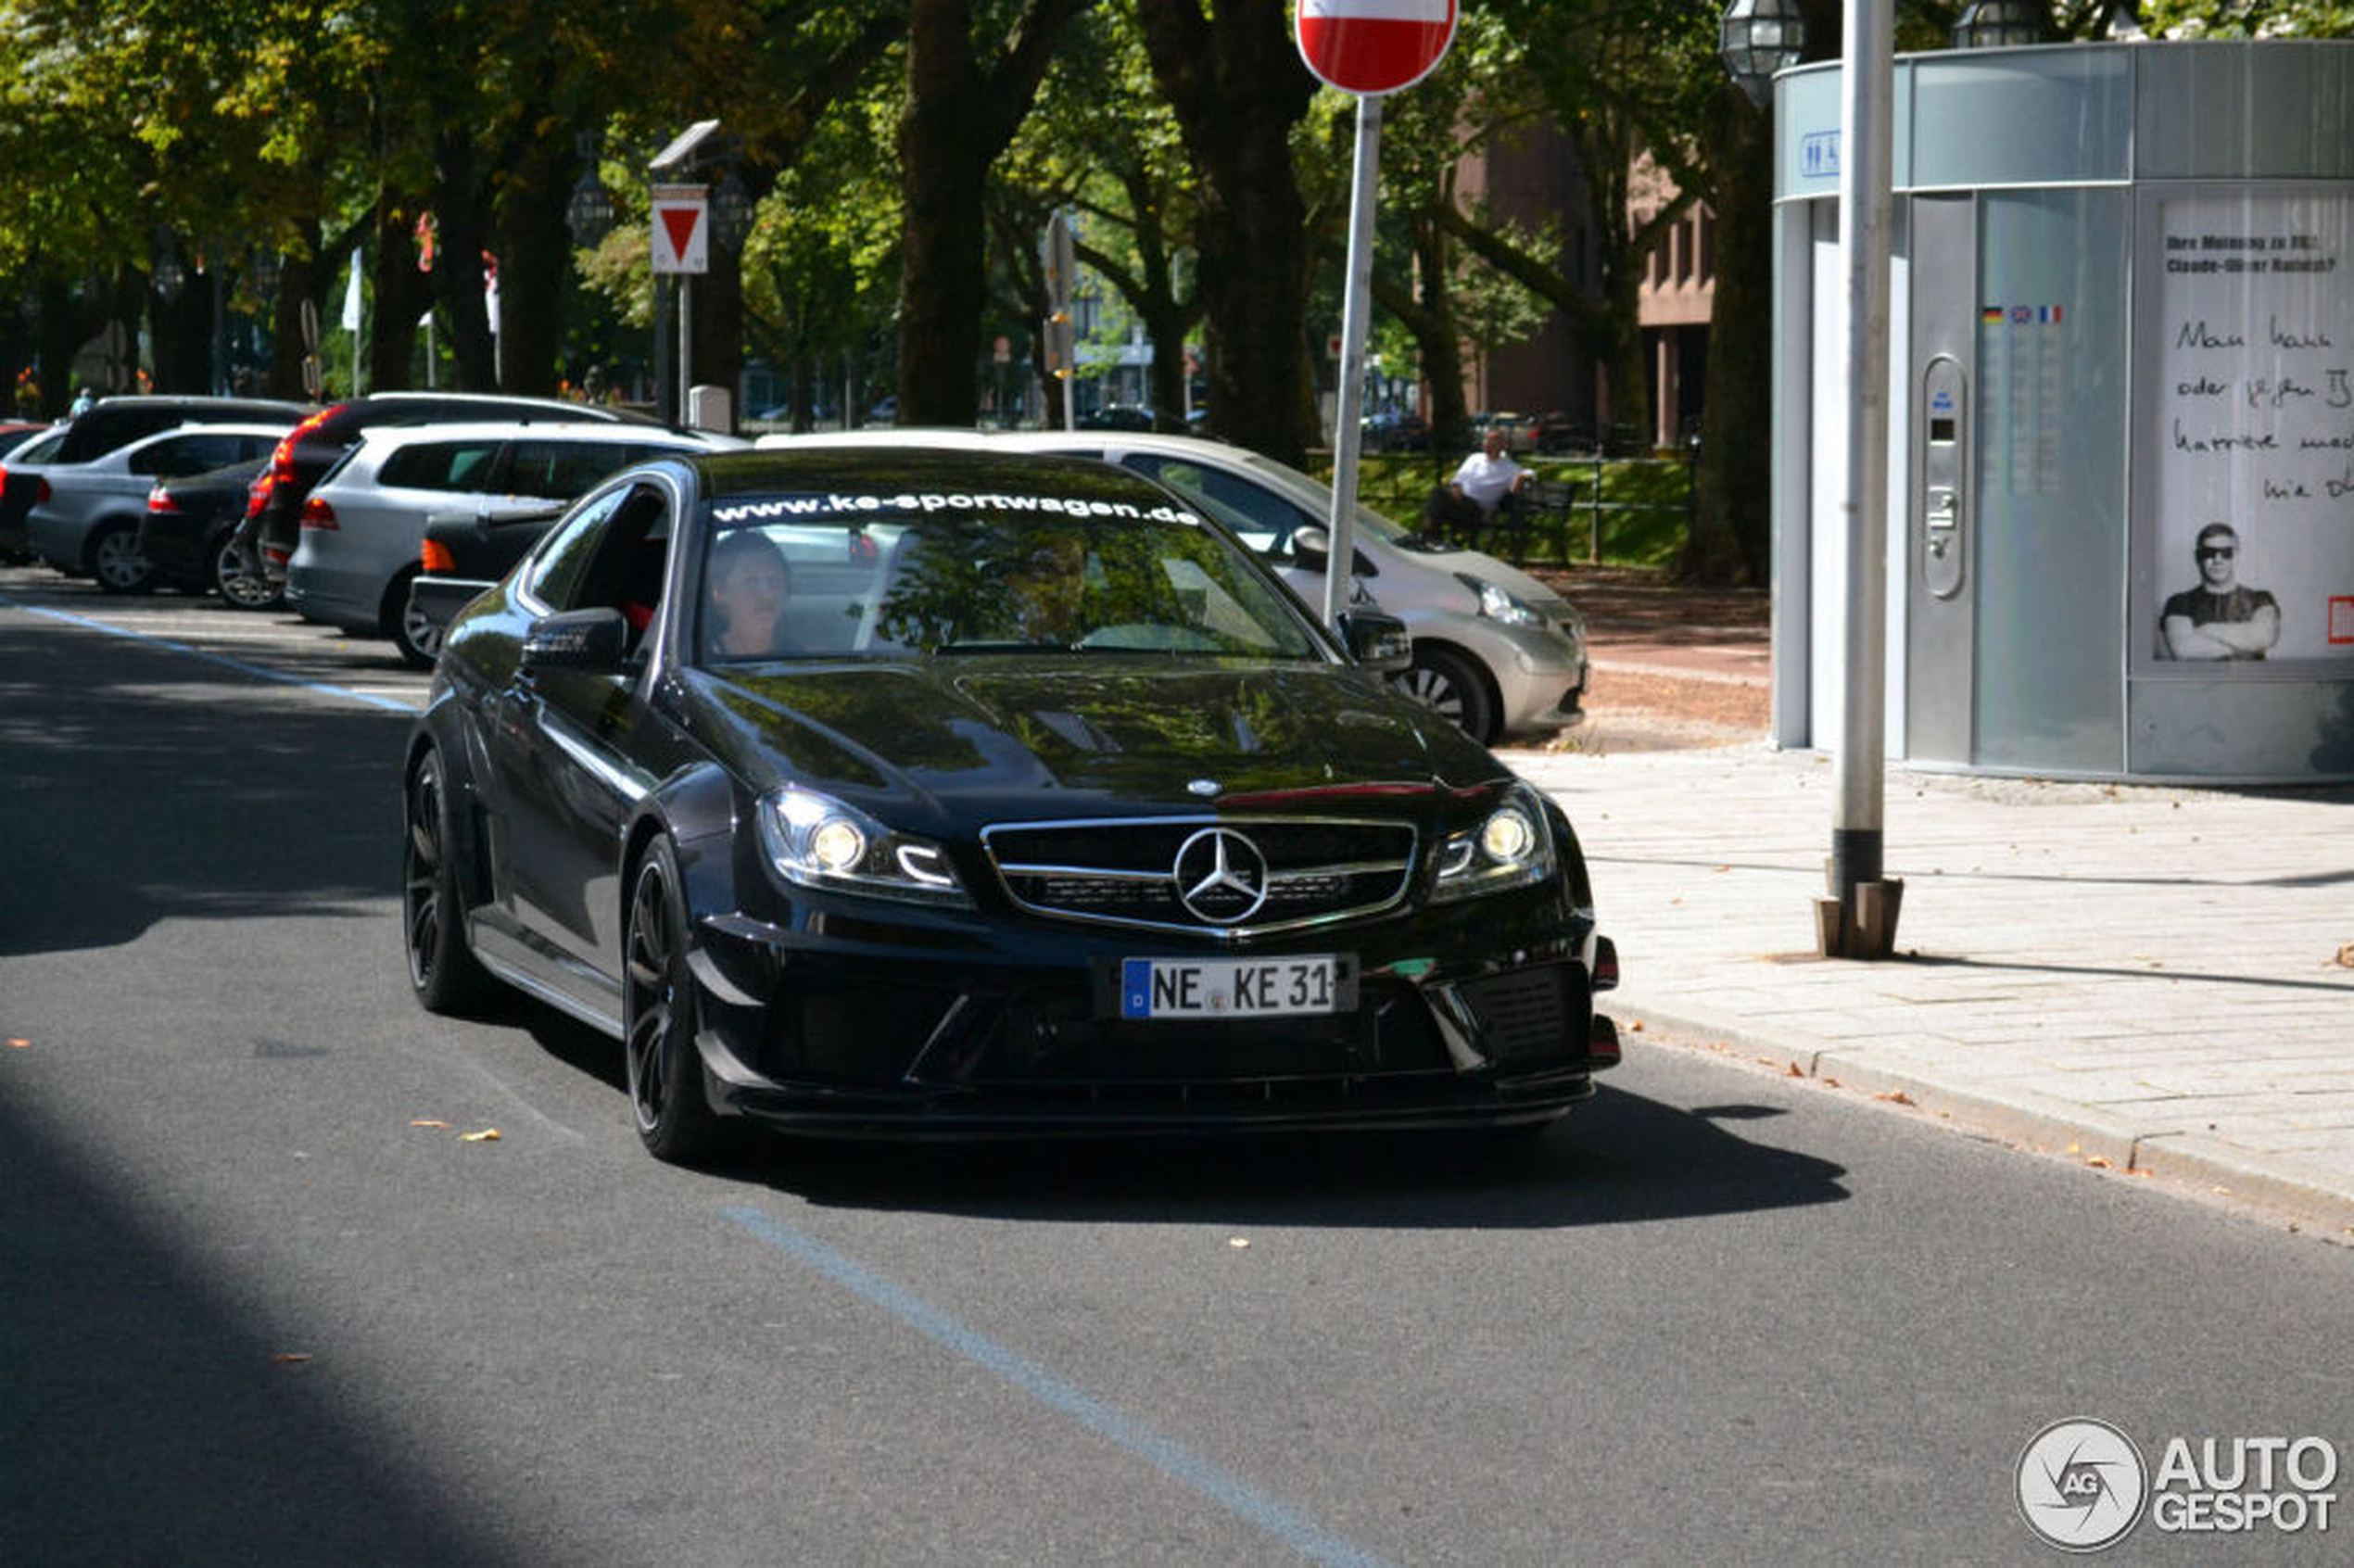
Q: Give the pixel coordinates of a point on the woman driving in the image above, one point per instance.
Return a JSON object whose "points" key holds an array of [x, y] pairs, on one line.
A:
{"points": [[746, 585]]}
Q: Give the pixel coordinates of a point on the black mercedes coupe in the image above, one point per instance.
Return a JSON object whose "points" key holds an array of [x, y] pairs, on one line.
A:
{"points": [[888, 792]]}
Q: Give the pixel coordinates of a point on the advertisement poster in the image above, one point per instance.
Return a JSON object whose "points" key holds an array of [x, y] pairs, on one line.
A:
{"points": [[2249, 538]]}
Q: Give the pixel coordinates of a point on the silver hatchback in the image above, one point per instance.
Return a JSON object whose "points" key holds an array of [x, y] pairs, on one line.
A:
{"points": [[363, 524]]}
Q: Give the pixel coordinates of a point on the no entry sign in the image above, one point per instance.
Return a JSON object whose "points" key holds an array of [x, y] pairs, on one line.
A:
{"points": [[1374, 47]]}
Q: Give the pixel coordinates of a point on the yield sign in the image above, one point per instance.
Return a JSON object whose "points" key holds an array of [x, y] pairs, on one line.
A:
{"points": [[1374, 46], [682, 228]]}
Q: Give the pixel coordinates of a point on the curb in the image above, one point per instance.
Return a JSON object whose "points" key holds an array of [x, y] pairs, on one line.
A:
{"points": [[2284, 1185]]}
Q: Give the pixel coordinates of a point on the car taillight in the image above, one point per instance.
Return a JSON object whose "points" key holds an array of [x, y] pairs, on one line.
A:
{"points": [[40, 495], [434, 556], [257, 495], [160, 499], [318, 515]]}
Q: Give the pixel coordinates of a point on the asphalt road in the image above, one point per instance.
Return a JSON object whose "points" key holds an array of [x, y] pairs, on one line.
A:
{"points": [[263, 1300]]}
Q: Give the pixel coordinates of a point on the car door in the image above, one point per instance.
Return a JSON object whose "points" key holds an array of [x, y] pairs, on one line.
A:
{"points": [[575, 751]]}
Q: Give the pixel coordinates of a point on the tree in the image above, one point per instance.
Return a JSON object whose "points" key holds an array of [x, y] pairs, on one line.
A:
{"points": [[963, 105], [1235, 81]]}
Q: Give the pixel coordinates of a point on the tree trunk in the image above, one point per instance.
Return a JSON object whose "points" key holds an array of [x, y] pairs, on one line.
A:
{"points": [[1237, 86], [402, 294], [1731, 539], [943, 164], [534, 249], [457, 270]]}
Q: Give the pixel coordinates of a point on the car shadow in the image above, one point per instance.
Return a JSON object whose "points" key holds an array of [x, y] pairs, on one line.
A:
{"points": [[1617, 1158], [1620, 1158]]}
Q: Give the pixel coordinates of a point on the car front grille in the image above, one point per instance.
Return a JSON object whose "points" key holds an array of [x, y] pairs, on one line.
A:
{"points": [[1281, 873]]}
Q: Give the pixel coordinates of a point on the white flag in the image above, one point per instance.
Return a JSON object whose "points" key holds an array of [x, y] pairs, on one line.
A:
{"points": [[352, 296]]}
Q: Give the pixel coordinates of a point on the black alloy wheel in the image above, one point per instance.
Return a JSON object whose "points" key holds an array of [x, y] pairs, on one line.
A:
{"points": [[659, 1015], [232, 577], [1452, 686], [115, 559], [443, 971]]}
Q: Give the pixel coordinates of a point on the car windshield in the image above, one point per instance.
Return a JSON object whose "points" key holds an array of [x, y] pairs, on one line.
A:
{"points": [[39, 448], [831, 577]]}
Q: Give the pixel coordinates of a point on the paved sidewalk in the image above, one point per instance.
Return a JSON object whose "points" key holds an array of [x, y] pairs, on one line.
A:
{"points": [[2149, 977]]}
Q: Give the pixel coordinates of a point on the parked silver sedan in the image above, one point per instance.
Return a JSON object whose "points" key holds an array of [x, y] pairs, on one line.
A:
{"points": [[86, 517], [363, 524]]}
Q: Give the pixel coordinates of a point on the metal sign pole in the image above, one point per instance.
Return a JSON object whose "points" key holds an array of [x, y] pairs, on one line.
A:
{"points": [[1863, 924], [1356, 308]]}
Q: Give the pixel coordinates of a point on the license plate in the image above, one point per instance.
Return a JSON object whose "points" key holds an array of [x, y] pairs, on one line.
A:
{"points": [[1236, 988]]}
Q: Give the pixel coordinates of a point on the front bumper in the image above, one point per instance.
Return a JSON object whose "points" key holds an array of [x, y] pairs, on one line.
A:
{"points": [[819, 1036]]}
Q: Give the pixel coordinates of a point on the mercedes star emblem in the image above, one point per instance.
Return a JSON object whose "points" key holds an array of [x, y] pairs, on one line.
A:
{"points": [[1221, 877]]}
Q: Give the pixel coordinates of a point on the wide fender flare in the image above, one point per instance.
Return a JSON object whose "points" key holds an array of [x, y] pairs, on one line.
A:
{"points": [[442, 728], [697, 808]]}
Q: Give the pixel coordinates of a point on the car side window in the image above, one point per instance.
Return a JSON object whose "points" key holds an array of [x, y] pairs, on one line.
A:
{"points": [[438, 465], [560, 470], [1263, 520], [610, 555], [186, 454]]}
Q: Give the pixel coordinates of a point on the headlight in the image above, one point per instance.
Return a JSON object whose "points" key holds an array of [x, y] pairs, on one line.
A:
{"points": [[1511, 849], [817, 841], [1499, 605]]}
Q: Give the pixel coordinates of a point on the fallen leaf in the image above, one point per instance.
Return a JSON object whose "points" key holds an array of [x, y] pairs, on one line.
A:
{"points": [[487, 1136], [17, 1042], [290, 1358], [1830, 1084], [1238, 1243], [2099, 1162], [2345, 961], [1896, 1097], [1636, 1027], [1791, 1072], [2075, 1149], [1723, 868], [428, 1124]]}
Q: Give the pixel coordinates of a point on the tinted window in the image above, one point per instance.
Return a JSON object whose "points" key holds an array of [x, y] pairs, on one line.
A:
{"points": [[560, 470], [197, 452], [439, 465], [1265, 520]]}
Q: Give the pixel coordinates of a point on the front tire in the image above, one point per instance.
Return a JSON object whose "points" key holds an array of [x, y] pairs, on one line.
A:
{"points": [[115, 559], [1453, 685], [443, 971], [660, 1013]]}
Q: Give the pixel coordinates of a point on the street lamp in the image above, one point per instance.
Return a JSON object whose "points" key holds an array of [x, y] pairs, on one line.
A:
{"points": [[2000, 24], [1756, 38], [588, 214], [731, 211]]}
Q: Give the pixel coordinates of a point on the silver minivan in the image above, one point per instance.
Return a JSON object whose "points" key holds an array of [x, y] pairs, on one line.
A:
{"points": [[1495, 649], [363, 522]]}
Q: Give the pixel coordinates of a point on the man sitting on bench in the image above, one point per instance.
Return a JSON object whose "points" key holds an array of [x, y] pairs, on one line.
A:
{"points": [[1488, 491]]}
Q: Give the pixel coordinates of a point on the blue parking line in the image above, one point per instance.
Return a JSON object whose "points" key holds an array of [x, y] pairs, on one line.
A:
{"points": [[1230, 1491], [394, 703]]}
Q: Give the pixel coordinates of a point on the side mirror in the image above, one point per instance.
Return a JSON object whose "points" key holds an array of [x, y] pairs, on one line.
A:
{"points": [[576, 639], [1312, 546], [1377, 640]]}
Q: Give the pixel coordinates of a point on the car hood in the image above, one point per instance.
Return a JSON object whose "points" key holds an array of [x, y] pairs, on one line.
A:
{"points": [[956, 741]]}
